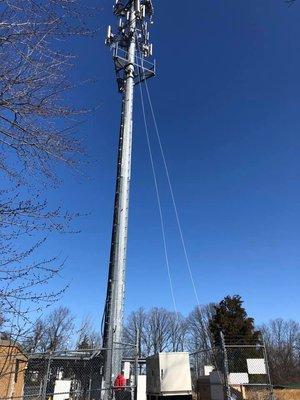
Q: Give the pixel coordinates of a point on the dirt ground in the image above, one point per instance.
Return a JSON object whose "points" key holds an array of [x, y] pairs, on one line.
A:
{"points": [[279, 394], [287, 394]]}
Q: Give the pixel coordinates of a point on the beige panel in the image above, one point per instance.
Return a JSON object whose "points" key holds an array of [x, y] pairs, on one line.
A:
{"points": [[141, 387], [169, 373]]}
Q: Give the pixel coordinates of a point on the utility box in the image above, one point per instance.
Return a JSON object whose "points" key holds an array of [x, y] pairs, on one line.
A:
{"points": [[169, 375], [141, 387]]}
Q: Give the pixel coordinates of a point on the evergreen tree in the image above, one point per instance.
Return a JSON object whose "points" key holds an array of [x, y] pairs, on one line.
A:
{"points": [[231, 318]]}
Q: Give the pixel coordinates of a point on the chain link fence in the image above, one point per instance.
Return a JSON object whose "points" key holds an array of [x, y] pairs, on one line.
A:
{"points": [[208, 374], [231, 372], [61, 375], [246, 367], [228, 372]]}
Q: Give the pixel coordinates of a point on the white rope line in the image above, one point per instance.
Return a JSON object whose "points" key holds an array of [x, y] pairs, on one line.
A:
{"points": [[179, 226], [206, 330], [173, 198], [162, 224]]}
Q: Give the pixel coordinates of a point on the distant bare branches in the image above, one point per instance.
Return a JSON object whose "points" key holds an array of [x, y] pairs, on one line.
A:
{"points": [[198, 327], [88, 338], [51, 333], [158, 330], [178, 332], [153, 328], [283, 345], [59, 326], [136, 329], [163, 330], [35, 339], [36, 134], [23, 277], [34, 74]]}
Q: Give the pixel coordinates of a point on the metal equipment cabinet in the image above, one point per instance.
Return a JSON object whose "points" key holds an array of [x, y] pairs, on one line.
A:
{"points": [[169, 377]]}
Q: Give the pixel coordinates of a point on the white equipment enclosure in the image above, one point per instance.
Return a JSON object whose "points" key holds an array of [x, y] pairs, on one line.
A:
{"points": [[169, 375]]}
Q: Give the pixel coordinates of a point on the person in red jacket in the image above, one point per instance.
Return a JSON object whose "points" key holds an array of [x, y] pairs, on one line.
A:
{"points": [[120, 382], [119, 386]]}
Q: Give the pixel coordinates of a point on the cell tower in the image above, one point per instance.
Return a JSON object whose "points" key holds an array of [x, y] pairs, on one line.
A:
{"points": [[130, 45]]}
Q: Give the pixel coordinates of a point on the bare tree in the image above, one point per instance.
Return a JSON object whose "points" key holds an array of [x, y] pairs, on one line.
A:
{"points": [[178, 332], [53, 332], [158, 330], [36, 134], [2, 320], [200, 339], [88, 337], [49, 334], [34, 74], [136, 329], [59, 328], [198, 327], [22, 276], [283, 344], [35, 338], [163, 330]]}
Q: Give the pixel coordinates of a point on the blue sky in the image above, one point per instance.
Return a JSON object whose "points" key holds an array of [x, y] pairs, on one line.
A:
{"points": [[227, 101]]}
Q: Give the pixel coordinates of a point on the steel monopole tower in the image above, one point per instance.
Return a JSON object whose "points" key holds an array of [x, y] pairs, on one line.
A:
{"points": [[131, 48]]}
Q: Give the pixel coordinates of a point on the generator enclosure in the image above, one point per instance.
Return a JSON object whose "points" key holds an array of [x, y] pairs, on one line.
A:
{"points": [[168, 374]]}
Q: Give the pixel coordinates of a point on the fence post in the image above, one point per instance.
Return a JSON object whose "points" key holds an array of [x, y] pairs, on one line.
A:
{"points": [[90, 383], [226, 369], [136, 363], [267, 367], [47, 377]]}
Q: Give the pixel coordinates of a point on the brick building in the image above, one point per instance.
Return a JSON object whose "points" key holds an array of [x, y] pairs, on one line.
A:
{"points": [[13, 363]]}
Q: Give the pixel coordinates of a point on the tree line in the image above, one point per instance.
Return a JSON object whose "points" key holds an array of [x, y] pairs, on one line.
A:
{"points": [[162, 330], [57, 331], [158, 329]]}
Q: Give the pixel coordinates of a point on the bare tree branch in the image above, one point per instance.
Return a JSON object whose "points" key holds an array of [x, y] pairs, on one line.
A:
{"points": [[37, 132]]}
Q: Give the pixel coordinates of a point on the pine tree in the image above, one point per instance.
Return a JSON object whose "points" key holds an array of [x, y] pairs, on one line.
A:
{"points": [[231, 318]]}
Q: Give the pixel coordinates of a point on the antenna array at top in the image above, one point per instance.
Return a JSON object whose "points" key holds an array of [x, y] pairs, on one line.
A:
{"points": [[120, 39]]}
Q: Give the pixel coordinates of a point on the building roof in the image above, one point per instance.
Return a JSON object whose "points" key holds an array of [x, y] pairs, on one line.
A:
{"points": [[68, 355], [13, 345]]}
